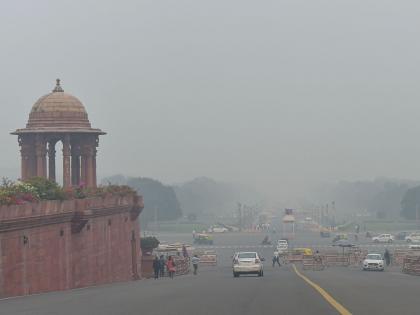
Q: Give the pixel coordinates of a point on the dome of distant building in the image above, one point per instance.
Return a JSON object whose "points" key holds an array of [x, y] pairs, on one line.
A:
{"points": [[58, 111]]}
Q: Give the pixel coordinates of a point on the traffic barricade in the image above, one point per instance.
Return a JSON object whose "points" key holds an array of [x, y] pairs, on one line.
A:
{"points": [[411, 265], [336, 260], [208, 258], [182, 265]]}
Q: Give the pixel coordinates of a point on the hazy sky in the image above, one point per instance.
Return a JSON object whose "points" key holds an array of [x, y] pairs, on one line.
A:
{"points": [[277, 94]]}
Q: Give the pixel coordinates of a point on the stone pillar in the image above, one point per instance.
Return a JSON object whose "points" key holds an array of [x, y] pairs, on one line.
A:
{"points": [[88, 162], [66, 162], [75, 163], [41, 156], [89, 167], [31, 166], [95, 151], [25, 151], [83, 168], [51, 160]]}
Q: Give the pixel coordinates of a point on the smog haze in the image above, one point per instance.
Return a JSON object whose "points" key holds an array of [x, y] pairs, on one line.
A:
{"points": [[277, 95]]}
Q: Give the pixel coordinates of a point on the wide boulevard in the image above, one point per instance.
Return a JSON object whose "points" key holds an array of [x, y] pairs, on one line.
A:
{"points": [[282, 290]]}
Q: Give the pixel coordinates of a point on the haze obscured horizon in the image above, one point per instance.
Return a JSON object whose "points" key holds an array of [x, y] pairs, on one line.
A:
{"points": [[278, 95]]}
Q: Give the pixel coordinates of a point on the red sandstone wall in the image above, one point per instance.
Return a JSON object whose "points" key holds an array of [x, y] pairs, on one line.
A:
{"points": [[54, 258]]}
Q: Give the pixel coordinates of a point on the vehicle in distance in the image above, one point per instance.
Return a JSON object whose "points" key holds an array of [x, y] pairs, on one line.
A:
{"points": [[402, 235], [218, 229], [282, 246], [383, 238], [324, 233], [373, 262], [344, 243], [302, 251], [413, 238], [247, 263], [339, 237], [414, 246], [203, 239]]}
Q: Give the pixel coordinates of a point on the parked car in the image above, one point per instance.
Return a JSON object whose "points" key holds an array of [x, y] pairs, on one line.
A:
{"points": [[374, 262], [247, 263], [339, 237], [413, 238], [383, 238], [282, 246], [402, 235], [414, 246]]}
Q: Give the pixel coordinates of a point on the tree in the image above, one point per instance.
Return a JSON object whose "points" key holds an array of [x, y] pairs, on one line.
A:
{"points": [[160, 200], [410, 203]]}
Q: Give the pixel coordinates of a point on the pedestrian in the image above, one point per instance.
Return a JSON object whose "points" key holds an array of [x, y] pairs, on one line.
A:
{"points": [[195, 260], [162, 264], [170, 265], [156, 267], [184, 251], [387, 257], [276, 258]]}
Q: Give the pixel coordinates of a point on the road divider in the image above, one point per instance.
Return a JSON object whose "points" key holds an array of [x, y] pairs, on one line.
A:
{"points": [[340, 308]]}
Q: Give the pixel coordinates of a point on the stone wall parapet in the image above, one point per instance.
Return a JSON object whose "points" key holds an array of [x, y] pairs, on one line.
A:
{"points": [[57, 207]]}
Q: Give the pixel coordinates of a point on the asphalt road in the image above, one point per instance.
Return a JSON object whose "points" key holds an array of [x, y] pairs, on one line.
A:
{"points": [[215, 291]]}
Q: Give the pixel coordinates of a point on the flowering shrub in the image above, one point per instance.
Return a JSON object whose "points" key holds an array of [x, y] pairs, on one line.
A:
{"points": [[34, 189], [17, 193]]}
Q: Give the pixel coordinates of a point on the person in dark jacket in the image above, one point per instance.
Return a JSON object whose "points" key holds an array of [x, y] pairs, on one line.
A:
{"points": [[387, 257], [162, 264], [156, 267]]}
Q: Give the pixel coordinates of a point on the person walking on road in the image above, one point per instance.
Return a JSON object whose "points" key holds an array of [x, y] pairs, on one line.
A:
{"points": [[195, 260], [170, 264], [387, 257], [156, 267], [276, 258]]}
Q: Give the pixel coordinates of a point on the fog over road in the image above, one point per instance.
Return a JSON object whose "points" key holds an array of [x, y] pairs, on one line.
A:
{"points": [[215, 291]]}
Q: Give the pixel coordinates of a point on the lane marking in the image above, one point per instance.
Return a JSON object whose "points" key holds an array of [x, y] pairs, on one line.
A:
{"points": [[340, 308]]}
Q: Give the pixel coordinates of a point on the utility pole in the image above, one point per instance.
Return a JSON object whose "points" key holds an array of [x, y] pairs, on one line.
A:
{"points": [[240, 216], [156, 217]]}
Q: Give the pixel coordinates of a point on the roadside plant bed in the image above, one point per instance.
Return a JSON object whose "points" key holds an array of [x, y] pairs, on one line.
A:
{"points": [[37, 188]]}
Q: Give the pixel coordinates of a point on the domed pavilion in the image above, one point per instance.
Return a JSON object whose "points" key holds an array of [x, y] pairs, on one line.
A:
{"points": [[59, 116]]}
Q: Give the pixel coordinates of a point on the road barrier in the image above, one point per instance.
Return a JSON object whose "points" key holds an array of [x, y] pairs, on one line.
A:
{"points": [[294, 258], [336, 259], [411, 265], [208, 259], [356, 257], [313, 263], [182, 265], [397, 258]]}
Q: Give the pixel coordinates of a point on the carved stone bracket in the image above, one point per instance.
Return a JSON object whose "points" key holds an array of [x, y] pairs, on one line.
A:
{"points": [[135, 212], [78, 222]]}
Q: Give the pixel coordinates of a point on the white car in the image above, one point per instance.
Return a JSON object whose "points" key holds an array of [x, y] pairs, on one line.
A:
{"points": [[282, 246], [247, 263], [218, 229], [374, 262], [414, 246], [383, 238], [413, 238]]}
